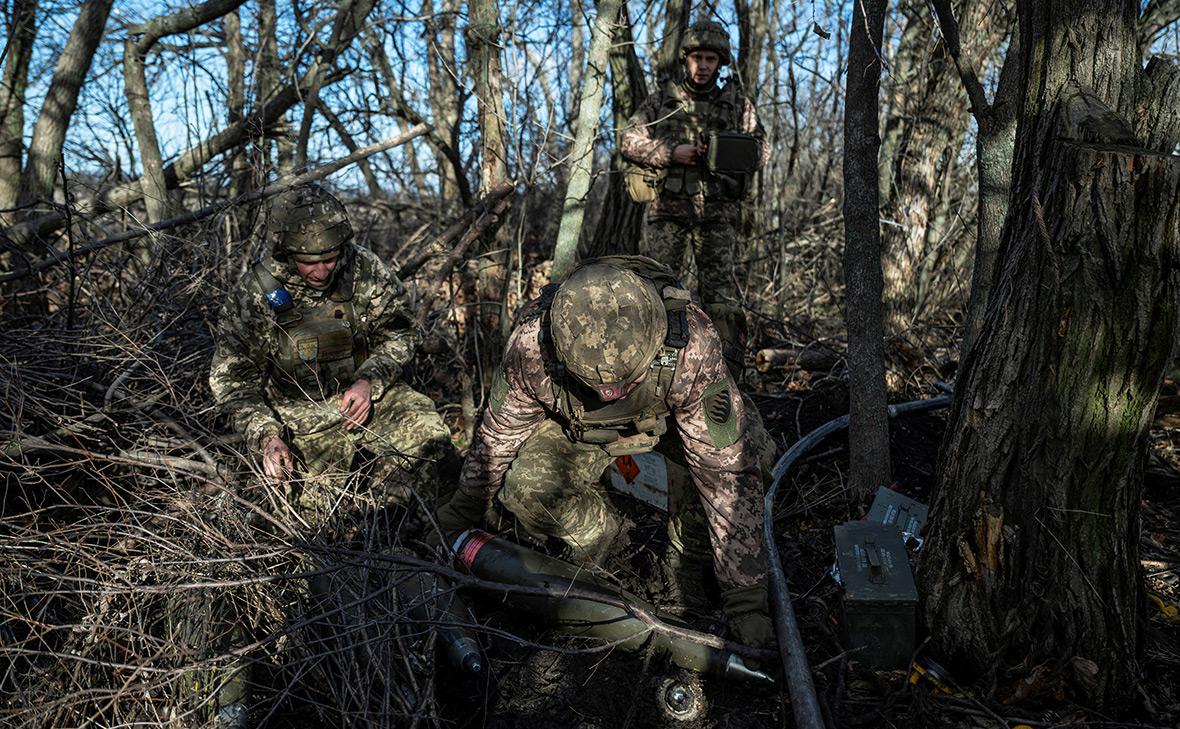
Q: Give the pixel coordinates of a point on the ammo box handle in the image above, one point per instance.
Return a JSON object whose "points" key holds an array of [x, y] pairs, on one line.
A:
{"points": [[874, 557]]}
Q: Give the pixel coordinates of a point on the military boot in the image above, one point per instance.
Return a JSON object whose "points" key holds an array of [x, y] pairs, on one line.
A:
{"points": [[684, 579]]}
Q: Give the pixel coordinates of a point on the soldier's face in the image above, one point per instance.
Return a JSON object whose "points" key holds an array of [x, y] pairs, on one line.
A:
{"points": [[319, 274], [702, 65]]}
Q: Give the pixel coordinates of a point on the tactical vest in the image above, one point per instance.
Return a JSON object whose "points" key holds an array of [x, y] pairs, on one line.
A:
{"points": [[320, 346], [632, 424], [686, 119]]}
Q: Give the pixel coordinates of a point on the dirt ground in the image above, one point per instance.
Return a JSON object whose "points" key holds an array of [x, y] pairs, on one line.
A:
{"points": [[537, 688]]}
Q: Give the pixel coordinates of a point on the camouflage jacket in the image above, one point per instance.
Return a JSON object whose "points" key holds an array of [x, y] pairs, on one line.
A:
{"points": [[709, 414], [249, 338], [647, 140]]}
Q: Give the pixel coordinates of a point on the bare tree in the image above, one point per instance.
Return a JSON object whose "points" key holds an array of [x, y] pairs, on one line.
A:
{"points": [[49, 134], [868, 424], [139, 43], [22, 31], [585, 133]]}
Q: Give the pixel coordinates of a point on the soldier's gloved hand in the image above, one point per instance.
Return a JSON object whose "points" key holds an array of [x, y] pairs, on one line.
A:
{"points": [[464, 511], [277, 461], [356, 404], [747, 613], [684, 154]]}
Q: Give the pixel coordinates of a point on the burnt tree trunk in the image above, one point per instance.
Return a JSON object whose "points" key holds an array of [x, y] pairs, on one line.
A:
{"points": [[868, 424], [1031, 565]]}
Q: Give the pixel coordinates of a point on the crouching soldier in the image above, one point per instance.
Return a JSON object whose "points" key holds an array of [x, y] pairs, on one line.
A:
{"points": [[310, 349], [595, 369]]}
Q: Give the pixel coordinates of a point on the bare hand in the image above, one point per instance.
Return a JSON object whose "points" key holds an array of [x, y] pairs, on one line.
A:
{"points": [[276, 459], [685, 154], [356, 404]]}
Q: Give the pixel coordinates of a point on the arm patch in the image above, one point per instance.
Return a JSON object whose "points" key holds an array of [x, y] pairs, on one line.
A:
{"points": [[720, 414], [499, 391]]}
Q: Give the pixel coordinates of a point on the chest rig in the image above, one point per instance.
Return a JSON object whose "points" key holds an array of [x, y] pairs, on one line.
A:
{"points": [[686, 118], [320, 345], [632, 424]]}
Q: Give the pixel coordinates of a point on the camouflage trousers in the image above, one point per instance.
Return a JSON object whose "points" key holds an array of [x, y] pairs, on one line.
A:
{"points": [[712, 247], [404, 434], [553, 489]]}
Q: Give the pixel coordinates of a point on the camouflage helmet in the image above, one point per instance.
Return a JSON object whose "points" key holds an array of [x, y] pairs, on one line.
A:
{"points": [[310, 224], [707, 35], [608, 324]]}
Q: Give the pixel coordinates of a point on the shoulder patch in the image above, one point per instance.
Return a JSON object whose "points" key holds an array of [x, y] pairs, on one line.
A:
{"points": [[499, 391], [720, 414]]}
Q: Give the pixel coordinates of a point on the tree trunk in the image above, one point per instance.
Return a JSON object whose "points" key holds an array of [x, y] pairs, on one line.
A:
{"points": [[927, 133], [868, 424], [135, 50], [676, 15], [49, 134], [21, 34], [585, 132], [483, 43], [1031, 570], [621, 223], [753, 34], [994, 146]]}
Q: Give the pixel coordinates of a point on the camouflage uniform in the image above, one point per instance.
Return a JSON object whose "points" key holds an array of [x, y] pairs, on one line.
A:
{"points": [[527, 449], [696, 211], [248, 383]]}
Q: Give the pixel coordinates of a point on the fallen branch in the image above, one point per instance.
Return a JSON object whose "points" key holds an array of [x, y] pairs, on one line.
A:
{"points": [[275, 188]]}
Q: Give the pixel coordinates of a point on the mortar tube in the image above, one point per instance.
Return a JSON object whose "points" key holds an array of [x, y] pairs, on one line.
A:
{"points": [[433, 602], [491, 558], [790, 643]]}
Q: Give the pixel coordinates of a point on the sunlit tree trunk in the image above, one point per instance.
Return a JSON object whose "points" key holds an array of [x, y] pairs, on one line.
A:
{"points": [[621, 223], [483, 43], [49, 134], [139, 43], [15, 79], [1031, 569], [585, 132]]}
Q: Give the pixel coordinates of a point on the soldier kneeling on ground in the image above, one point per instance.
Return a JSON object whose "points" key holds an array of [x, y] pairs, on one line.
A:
{"points": [[310, 349], [593, 370]]}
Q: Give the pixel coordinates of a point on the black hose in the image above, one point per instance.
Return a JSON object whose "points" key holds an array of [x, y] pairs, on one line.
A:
{"points": [[786, 627]]}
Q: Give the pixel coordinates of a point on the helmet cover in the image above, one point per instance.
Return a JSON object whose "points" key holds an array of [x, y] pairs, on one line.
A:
{"points": [[608, 324], [310, 224]]}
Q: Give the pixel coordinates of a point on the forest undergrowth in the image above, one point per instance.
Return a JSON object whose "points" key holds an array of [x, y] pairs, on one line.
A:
{"points": [[149, 570]]}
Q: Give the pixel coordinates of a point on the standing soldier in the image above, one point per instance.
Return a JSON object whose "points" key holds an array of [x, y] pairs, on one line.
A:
{"points": [[310, 349], [697, 144], [594, 370]]}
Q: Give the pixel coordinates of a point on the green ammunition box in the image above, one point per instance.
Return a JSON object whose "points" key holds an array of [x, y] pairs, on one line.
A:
{"points": [[878, 607], [890, 507], [730, 152]]}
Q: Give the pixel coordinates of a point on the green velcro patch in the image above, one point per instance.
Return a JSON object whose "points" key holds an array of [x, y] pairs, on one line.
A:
{"points": [[720, 414], [499, 391]]}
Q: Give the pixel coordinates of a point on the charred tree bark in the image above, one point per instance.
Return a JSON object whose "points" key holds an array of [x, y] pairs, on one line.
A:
{"points": [[49, 134], [868, 425], [1031, 564], [22, 31]]}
